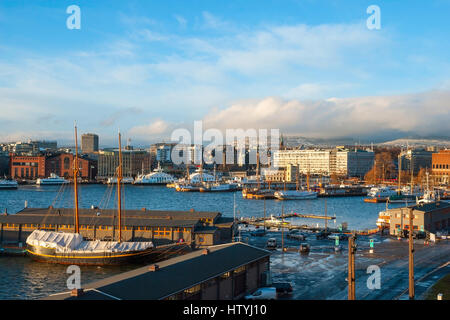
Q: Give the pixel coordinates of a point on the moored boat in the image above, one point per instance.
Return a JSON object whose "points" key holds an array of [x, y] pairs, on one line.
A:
{"points": [[52, 180], [218, 187], [71, 248], [157, 177], [8, 184], [295, 195]]}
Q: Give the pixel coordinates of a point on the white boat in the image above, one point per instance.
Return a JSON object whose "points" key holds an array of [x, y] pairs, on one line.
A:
{"points": [[125, 180], [295, 195], [429, 196], [381, 192], [52, 180], [157, 177], [218, 187], [8, 184], [384, 219], [198, 177]]}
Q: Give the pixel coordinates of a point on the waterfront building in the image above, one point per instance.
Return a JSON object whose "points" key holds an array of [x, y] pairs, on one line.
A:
{"points": [[222, 272], [440, 166], [429, 217], [338, 161], [315, 161], [353, 163], [415, 159], [161, 227], [62, 165], [27, 167], [288, 174], [41, 166], [89, 143], [134, 162]]}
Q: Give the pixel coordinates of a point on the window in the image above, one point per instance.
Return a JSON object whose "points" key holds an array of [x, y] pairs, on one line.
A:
{"points": [[193, 289], [66, 163], [239, 270]]}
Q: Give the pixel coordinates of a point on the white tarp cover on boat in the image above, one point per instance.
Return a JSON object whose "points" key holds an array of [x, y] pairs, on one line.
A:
{"points": [[73, 242]]}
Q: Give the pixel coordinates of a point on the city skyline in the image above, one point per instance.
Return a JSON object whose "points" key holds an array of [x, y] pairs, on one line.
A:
{"points": [[311, 69]]}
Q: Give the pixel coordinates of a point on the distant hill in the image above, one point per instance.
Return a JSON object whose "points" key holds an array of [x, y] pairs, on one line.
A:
{"points": [[417, 142]]}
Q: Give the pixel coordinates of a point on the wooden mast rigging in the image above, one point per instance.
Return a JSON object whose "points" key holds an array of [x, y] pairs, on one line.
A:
{"points": [[119, 195], [75, 182]]}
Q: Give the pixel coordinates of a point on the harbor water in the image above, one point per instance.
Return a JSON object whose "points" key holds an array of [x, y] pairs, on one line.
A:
{"points": [[24, 279]]}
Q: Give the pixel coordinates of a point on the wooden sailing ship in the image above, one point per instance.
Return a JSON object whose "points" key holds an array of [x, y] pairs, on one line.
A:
{"points": [[71, 248]]}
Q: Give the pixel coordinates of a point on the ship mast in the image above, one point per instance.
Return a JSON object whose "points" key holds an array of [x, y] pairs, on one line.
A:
{"points": [[75, 181], [119, 196]]}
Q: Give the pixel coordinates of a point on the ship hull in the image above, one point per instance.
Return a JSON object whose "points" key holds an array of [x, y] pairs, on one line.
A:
{"points": [[42, 254]]}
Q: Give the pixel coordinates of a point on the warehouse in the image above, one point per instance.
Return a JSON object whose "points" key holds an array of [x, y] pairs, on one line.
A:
{"points": [[429, 217], [221, 272], [197, 228]]}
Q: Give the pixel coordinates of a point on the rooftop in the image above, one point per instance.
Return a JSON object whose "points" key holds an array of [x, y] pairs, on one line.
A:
{"points": [[174, 275]]}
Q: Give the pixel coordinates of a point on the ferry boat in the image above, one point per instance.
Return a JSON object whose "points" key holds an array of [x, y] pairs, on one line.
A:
{"points": [[8, 184], [157, 177], [52, 180], [295, 195], [71, 248]]}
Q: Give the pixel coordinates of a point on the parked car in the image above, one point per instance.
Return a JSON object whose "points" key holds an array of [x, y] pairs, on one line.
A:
{"points": [[272, 243], [267, 293], [295, 235], [283, 288], [304, 248], [419, 235], [258, 233], [340, 236], [322, 235]]}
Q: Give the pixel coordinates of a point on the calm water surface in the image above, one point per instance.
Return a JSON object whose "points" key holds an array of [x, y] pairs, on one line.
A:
{"points": [[22, 278]]}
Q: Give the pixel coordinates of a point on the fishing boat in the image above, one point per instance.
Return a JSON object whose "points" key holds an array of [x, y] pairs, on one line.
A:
{"points": [[181, 187], [218, 187], [295, 195], [157, 177], [71, 248], [258, 193], [8, 184], [401, 198], [54, 179]]}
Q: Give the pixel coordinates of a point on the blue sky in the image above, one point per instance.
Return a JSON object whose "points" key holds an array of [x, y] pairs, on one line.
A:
{"points": [[306, 67]]}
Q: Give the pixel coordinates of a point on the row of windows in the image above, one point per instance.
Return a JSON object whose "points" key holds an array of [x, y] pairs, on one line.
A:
{"points": [[440, 166]]}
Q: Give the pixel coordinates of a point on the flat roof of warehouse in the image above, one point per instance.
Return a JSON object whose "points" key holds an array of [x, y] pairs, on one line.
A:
{"points": [[174, 275], [150, 214]]}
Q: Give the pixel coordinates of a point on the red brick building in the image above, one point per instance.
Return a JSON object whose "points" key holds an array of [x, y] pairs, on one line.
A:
{"points": [[27, 167], [62, 165], [440, 166], [33, 167]]}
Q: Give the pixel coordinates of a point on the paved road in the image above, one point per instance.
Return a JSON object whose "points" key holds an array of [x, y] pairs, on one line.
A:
{"points": [[322, 274], [395, 274]]}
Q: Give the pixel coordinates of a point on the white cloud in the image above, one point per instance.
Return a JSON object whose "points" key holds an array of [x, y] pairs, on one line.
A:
{"points": [[425, 113], [181, 20], [155, 128]]}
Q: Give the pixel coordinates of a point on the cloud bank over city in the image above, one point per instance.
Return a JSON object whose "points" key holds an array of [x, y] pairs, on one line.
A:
{"points": [[149, 74]]}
